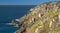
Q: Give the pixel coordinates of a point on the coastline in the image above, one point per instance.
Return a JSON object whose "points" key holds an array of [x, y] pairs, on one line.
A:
{"points": [[41, 18]]}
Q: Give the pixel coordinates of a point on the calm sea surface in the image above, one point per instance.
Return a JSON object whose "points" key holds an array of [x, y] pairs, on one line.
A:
{"points": [[9, 12]]}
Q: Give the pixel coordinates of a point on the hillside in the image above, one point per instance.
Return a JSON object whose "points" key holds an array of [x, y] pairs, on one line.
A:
{"points": [[44, 18]]}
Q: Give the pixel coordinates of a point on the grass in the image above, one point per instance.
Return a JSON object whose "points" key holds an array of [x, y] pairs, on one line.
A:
{"points": [[38, 23]]}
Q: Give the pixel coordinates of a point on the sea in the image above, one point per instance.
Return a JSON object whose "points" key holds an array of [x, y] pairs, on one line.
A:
{"points": [[10, 12]]}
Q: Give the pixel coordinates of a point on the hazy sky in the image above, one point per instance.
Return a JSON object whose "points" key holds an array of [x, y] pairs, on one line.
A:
{"points": [[23, 2]]}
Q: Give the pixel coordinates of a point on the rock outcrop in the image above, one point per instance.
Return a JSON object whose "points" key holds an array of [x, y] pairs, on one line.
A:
{"points": [[44, 18]]}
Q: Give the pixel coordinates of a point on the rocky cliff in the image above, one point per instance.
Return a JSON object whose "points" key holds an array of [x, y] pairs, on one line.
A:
{"points": [[44, 18]]}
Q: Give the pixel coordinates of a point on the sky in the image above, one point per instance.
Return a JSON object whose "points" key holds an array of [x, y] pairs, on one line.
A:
{"points": [[23, 2]]}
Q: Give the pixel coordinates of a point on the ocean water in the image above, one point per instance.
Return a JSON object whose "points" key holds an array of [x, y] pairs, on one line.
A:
{"points": [[9, 12]]}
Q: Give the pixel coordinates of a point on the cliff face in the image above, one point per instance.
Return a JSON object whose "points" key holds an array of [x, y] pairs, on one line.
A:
{"points": [[44, 18]]}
